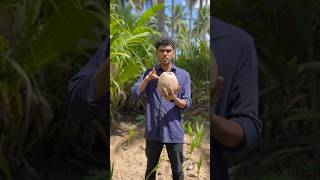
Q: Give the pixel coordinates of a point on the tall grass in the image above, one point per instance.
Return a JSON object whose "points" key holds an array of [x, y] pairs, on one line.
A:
{"points": [[39, 42], [286, 34]]}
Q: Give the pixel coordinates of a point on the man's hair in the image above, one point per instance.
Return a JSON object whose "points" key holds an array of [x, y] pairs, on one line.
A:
{"points": [[164, 41]]}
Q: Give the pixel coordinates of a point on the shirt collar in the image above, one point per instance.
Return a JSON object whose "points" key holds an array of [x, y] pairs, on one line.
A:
{"points": [[173, 68]]}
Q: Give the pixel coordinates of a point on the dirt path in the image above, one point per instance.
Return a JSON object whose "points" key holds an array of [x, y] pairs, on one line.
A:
{"points": [[130, 160]]}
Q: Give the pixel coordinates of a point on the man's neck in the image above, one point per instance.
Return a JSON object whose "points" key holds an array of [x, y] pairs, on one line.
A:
{"points": [[166, 67]]}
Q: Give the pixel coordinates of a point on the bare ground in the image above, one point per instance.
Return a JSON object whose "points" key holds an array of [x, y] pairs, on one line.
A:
{"points": [[130, 161]]}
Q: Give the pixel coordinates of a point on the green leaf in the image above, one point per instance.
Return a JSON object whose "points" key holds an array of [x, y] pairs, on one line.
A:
{"points": [[129, 71], [310, 66], [303, 115], [61, 34], [148, 14]]}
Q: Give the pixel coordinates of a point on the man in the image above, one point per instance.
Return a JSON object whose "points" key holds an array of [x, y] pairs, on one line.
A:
{"points": [[235, 125], [163, 118], [88, 88], [88, 94]]}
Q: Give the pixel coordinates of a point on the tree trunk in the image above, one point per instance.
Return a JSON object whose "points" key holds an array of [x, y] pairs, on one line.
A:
{"points": [[161, 18], [199, 15], [190, 21], [172, 19]]}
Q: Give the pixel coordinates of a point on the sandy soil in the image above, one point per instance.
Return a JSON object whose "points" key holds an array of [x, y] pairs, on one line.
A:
{"points": [[130, 161]]}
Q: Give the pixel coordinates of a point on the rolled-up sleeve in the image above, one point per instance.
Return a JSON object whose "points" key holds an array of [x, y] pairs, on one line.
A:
{"points": [[135, 88], [244, 98], [186, 92], [83, 105]]}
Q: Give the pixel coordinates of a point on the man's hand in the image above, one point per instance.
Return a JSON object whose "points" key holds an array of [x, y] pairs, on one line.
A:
{"points": [[227, 132], [152, 75], [172, 95], [169, 94]]}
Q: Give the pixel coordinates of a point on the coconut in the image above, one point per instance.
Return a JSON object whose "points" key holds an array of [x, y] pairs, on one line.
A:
{"points": [[166, 81]]}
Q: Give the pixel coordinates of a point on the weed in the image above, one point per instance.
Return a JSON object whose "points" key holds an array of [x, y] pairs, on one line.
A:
{"points": [[199, 132], [155, 168], [131, 134], [190, 131], [193, 144], [199, 164]]}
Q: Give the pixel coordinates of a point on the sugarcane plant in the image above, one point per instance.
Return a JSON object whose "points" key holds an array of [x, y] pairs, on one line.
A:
{"points": [[199, 165], [199, 132], [155, 168], [197, 137], [189, 129]]}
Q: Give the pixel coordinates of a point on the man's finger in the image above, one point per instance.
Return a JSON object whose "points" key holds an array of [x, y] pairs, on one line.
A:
{"points": [[147, 77], [176, 92], [165, 92], [171, 91], [150, 73]]}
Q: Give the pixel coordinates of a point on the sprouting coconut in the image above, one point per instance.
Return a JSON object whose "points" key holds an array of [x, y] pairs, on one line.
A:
{"points": [[166, 81]]}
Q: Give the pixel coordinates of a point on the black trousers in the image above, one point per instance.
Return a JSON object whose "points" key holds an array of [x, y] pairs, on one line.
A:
{"points": [[175, 153]]}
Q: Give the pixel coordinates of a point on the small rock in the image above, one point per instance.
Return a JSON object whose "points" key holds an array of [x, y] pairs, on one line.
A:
{"points": [[190, 167], [192, 175]]}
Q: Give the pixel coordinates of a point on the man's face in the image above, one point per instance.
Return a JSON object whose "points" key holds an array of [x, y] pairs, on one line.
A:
{"points": [[165, 54]]}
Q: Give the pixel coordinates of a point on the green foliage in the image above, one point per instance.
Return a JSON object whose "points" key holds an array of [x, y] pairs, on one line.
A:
{"points": [[153, 170], [39, 42], [131, 50], [199, 132], [199, 164], [141, 119], [192, 54], [196, 137], [131, 134], [286, 35], [195, 131], [202, 23], [194, 144], [195, 58], [189, 130], [283, 56]]}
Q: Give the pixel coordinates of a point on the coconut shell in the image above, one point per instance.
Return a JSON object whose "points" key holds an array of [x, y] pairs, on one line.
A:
{"points": [[168, 80]]}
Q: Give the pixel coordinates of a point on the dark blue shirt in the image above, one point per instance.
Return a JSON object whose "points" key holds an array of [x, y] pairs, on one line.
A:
{"points": [[238, 101], [163, 117], [83, 105]]}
